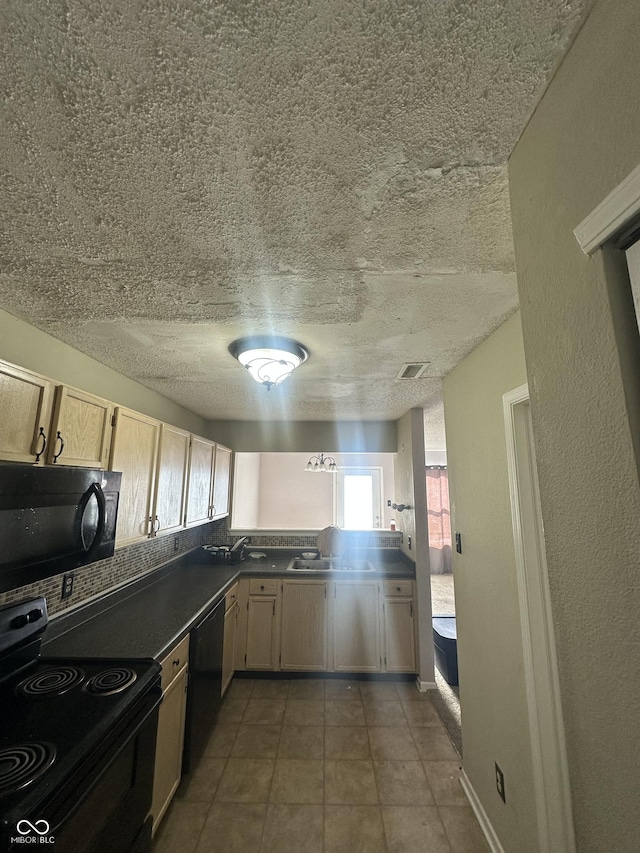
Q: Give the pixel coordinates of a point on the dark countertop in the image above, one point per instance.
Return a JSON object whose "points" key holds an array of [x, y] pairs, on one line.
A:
{"points": [[147, 617]]}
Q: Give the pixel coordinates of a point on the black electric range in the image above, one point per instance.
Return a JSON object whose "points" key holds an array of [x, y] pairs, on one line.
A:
{"points": [[77, 743]]}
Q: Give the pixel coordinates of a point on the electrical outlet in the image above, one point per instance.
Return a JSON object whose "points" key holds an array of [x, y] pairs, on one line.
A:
{"points": [[500, 783], [67, 586]]}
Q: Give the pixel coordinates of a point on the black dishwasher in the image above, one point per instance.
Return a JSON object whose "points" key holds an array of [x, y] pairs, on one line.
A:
{"points": [[205, 684]]}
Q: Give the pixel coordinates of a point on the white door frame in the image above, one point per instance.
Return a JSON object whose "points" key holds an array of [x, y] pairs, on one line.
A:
{"points": [[548, 750]]}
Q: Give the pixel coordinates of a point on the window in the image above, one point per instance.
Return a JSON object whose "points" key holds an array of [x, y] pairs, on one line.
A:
{"points": [[272, 491], [358, 498]]}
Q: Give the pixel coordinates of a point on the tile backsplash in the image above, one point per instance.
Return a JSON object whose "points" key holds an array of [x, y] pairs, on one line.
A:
{"points": [[351, 538], [143, 557], [126, 564]]}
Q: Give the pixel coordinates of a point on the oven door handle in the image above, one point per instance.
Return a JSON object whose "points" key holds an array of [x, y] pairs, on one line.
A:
{"points": [[94, 490]]}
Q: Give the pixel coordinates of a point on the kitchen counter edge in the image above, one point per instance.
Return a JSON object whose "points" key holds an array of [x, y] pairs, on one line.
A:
{"points": [[148, 616]]}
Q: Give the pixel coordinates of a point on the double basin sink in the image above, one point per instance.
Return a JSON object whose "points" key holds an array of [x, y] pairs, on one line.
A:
{"points": [[329, 564]]}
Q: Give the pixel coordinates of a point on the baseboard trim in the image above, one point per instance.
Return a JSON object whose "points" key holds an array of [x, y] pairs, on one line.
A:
{"points": [[423, 686], [485, 824]]}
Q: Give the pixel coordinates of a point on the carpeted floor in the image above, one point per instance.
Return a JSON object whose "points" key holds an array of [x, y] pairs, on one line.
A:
{"points": [[448, 699], [443, 601]]}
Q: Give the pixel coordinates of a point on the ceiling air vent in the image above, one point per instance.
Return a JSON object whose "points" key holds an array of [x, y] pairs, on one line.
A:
{"points": [[412, 370]]}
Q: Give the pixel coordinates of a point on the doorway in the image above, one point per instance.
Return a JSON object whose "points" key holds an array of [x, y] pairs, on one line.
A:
{"points": [[551, 777]]}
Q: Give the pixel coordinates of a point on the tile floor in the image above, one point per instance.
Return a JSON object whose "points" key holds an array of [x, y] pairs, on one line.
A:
{"points": [[323, 766]]}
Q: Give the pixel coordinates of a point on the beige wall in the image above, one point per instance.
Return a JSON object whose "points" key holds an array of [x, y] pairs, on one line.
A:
{"points": [[490, 659], [306, 436], [246, 490], [272, 491], [411, 489], [289, 492], [26, 346], [583, 362]]}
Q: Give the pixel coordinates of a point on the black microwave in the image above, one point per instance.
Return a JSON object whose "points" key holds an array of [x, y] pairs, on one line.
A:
{"points": [[54, 519]]}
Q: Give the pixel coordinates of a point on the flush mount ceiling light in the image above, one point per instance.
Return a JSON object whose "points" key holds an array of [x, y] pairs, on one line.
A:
{"points": [[268, 359], [321, 463]]}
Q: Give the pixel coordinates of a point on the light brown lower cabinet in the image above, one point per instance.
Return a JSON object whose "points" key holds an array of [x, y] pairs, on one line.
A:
{"points": [[399, 627], [362, 625], [170, 740], [303, 632], [229, 637], [261, 637], [356, 626]]}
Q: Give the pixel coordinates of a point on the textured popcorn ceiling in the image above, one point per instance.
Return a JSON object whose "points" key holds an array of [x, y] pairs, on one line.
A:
{"points": [[177, 174]]}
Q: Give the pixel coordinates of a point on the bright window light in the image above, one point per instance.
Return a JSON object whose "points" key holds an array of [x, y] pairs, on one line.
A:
{"points": [[358, 502]]}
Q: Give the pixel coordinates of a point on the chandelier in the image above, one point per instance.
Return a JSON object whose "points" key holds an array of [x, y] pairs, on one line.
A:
{"points": [[268, 359], [321, 463]]}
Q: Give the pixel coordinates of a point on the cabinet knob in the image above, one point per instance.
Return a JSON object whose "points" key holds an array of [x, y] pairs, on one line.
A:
{"points": [[262, 587], [176, 663], [398, 589]]}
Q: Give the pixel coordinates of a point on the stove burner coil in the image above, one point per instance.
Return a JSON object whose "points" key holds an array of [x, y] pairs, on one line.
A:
{"points": [[51, 682], [22, 764], [110, 681]]}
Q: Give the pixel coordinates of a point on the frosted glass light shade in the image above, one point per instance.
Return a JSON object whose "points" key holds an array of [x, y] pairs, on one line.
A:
{"points": [[269, 360]]}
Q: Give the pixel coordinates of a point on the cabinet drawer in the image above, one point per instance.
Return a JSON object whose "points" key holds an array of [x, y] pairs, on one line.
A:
{"points": [[263, 586], [399, 587], [231, 597], [173, 663]]}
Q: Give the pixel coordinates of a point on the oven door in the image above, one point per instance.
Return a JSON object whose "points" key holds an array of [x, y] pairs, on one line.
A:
{"points": [[103, 808]]}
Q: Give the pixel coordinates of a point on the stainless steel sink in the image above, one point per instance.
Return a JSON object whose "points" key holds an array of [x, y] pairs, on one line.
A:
{"points": [[329, 564]]}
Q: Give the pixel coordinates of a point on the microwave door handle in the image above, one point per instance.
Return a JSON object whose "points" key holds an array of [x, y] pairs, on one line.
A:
{"points": [[95, 490]]}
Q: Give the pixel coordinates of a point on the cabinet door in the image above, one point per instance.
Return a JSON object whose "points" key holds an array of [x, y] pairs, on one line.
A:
{"points": [[201, 461], [356, 626], [169, 743], [221, 482], [25, 414], [173, 457], [80, 430], [228, 645], [400, 651], [303, 637], [261, 632], [133, 451]]}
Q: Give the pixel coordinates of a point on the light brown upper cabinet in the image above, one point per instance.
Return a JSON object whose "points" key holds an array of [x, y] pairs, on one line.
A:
{"points": [[80, 430], [25, 414], [171, 484], [199, 488], [134, 449], [221, 482]]}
